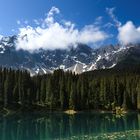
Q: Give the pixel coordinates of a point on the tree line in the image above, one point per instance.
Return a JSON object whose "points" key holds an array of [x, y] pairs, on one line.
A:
{"points": [[100, 89]]}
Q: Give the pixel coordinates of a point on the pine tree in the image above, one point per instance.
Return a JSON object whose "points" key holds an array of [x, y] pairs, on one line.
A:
{"points": [[102, 93], [37, 98], [6, 90], [16, 94], [138, 95], [1, 87], [43, 91], [51, 101], [62, 95], [72, 98]]}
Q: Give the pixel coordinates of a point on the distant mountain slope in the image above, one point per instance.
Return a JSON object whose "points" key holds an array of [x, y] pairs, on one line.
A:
{"points": [[130, 58], [77, 59]]}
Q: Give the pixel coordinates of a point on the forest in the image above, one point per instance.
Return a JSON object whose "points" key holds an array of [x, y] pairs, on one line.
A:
{"points": [[94, 90]]}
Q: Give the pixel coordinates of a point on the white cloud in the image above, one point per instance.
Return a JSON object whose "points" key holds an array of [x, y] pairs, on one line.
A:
{"points": [[1, 36], [98, 20], [109, 25], [50, 34], [129, 33], [18, 22], [91, 34], [110, 12], [50, 16], [36, 22], [13, 30]]}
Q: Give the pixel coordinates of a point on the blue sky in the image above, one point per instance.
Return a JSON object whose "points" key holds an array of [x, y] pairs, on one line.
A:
{"points": [[15, 14]]}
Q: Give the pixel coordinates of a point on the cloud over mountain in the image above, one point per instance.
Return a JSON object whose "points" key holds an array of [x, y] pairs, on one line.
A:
{"points": [[1, 36], [129, 33], [51, 34]]}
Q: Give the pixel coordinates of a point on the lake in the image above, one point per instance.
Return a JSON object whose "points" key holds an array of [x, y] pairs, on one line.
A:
{"points": [[82, 126]]}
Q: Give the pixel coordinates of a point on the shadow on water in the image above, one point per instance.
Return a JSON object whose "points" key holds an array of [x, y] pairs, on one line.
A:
{"points": [[58, 126]]}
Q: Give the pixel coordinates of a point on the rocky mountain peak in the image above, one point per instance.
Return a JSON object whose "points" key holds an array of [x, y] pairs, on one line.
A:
{"points": [[77, 59]]}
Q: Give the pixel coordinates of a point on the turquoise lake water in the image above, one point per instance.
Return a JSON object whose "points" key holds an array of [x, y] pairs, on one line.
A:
{"points": [[82, 126]]}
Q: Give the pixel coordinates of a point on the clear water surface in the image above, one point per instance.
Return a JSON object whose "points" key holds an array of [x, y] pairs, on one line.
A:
{"points": [[59, 126]]}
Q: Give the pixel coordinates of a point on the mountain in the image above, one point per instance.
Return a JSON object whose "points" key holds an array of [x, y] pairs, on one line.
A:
{"points": [[77, 59]]}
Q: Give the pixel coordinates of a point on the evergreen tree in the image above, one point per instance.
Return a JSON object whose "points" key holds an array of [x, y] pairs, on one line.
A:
{"points": [[7, 91], [43, 91], [72, 97], [62, 95]]}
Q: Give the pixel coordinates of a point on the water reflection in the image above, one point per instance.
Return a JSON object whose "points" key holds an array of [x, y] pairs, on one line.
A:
{"points": [[58, 126]]}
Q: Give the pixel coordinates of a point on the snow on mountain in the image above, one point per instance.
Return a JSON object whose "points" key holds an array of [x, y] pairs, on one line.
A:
{"points": [[76, 59]]}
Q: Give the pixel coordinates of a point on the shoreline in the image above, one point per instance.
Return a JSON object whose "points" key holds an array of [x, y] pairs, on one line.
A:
{"points": [[43, 111]]}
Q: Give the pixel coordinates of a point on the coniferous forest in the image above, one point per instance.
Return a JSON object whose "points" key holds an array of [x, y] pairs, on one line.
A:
{"points": [[100, 89]]}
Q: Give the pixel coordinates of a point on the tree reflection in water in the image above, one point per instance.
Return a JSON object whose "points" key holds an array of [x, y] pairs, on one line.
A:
{"points": [[59, 126]]}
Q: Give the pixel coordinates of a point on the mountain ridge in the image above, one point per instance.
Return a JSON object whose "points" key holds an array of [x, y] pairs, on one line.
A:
{"points": [[76, 59]]}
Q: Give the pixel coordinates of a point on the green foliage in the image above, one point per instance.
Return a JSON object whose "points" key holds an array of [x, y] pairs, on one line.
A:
{"points": [[102, 89]]}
